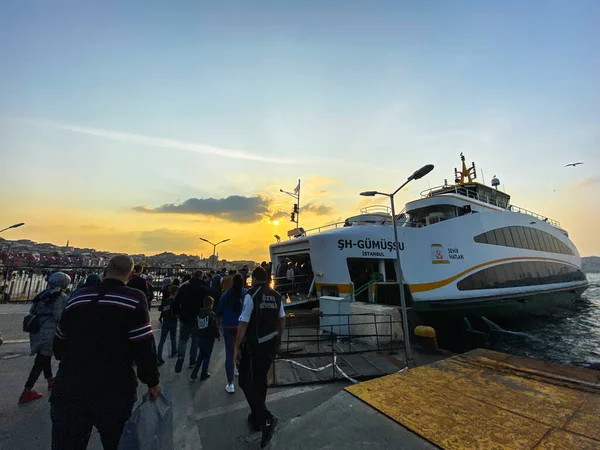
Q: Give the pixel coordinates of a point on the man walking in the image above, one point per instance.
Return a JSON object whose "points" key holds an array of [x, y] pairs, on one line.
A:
{"points": [[104, 330], [259, 333], [187, 305]]}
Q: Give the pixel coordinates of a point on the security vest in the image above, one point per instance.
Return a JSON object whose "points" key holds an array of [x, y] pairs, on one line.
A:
{"points": [[264, 321]]}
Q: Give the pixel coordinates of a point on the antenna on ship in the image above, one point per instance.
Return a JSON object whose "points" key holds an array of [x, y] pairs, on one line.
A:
{"points": [[466, 174]]}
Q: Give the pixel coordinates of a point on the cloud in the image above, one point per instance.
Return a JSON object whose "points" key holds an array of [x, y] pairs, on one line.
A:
{"points": [[235, 208], [318, 209], [278, 215], [153, 141]]}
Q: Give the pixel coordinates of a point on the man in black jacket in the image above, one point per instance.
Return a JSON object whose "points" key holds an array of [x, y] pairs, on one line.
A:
{"points": [[187, 304], [103, 331], [137, 282]]}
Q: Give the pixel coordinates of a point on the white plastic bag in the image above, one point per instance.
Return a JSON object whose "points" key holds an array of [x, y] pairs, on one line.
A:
{"points": [[150, 426]]}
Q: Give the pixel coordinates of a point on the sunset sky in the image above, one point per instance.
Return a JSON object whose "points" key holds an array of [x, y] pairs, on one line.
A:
{"points": [[139, 126]]}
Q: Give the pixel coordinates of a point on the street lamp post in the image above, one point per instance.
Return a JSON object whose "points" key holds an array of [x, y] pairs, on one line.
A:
{"points": [[214, 248], [399, 275], [16, 225]]}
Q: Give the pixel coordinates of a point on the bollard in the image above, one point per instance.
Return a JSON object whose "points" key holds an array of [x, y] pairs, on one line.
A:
{"points": [[426, 337]]}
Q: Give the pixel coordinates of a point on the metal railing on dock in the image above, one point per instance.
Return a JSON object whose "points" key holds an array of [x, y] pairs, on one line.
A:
{"points": [[308, 343]]}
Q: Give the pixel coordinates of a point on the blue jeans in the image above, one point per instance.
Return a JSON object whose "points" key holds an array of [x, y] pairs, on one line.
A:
{"points": [[168, 327], [205, 347], [229, 334], [185, 332]]}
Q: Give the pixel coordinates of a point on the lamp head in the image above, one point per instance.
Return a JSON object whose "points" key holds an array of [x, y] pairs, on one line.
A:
{"points": [[369, 193], [421, 172]]}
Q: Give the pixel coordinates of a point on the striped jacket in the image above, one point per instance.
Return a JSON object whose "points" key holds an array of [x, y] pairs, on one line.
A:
{"points": [[103, 331]]}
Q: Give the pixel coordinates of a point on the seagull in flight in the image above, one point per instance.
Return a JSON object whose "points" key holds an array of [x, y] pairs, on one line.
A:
{"points": [[574, 164]]}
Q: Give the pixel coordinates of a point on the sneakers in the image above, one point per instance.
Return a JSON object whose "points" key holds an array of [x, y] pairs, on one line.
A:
{"points": [[267, 431], [50, 383], [236, 372], [230, 388], [160, 361], [194, 374], [204, 376], [179, 365], [191, 365], [30, 396]]}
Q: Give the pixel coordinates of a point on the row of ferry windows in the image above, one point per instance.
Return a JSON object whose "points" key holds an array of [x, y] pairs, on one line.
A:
{"points": [[517, 274], [524, 237]]}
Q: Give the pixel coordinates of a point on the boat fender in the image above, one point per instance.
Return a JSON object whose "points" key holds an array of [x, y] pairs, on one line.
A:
{"points": [[427, 338]]}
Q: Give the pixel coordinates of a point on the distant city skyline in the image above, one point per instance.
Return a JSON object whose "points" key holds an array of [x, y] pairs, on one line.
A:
{"points": [[139, 127]]}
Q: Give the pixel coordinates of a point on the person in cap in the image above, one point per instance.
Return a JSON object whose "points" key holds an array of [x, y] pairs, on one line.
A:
{"points": [[259, 333], [47, 306], [103, 333]]}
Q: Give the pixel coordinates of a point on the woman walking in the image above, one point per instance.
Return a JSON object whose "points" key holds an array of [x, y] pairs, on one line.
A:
{"points": [[47, 306], [228, 312]]}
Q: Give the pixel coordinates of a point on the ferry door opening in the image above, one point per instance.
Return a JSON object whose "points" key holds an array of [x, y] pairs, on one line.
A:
{"points": [[294, 275], [363, 271]]}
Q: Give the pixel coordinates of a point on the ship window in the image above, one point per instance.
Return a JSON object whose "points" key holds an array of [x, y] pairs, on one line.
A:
{"points": [[537, 245], [515, 235], [508, 237], [481, 239], [545, 242], [522, 238], [499, 237], [526, 238], [518, 274]]}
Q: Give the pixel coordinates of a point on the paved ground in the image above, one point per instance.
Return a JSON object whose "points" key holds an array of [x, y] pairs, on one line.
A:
{"points": [[205, 416]]}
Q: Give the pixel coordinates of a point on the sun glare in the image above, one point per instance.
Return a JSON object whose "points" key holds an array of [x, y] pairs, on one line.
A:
{"points": [[276, 222]]}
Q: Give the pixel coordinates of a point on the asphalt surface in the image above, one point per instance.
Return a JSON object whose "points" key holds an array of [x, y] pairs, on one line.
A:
{"points": [[205, 416]]}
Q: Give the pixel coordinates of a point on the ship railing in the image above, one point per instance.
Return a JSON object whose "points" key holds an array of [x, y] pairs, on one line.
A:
{"points": [[518, 209], [331, 226], [487, 199], [467, 193], [376, 209]]}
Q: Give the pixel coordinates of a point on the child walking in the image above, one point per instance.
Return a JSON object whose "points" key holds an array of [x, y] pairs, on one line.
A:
{"points": [[169, 323], [207, 332]]}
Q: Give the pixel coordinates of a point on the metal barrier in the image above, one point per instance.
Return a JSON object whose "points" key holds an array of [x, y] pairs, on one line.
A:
{"points": [[324, 342], [23, 283]]}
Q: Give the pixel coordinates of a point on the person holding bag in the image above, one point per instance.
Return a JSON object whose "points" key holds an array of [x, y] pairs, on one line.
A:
{"points": [[44, 314], [228, 312]]}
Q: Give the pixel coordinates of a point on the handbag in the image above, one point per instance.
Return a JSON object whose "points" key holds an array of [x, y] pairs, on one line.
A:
{"points": [[31, 323]]}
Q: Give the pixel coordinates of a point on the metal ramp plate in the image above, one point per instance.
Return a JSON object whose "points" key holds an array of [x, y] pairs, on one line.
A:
{"points": [[486, 399]]}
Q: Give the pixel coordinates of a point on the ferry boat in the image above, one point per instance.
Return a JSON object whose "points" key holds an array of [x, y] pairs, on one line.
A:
{"points": [[465, 249]]}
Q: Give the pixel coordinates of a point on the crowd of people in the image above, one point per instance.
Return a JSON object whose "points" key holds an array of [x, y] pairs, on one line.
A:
{"points": [[293, 277], [102, 335]]}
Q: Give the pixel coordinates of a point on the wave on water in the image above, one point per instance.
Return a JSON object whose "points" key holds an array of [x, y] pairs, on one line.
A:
{"points": [[568, 335]]}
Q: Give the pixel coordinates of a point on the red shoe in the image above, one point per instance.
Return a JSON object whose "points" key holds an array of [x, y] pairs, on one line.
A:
{"points": [[50, 383], [30, 396]]}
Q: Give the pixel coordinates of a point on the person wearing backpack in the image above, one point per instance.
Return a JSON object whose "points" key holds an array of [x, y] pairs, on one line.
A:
{"points": [[44, 314], [207, 332], [228, 313]]}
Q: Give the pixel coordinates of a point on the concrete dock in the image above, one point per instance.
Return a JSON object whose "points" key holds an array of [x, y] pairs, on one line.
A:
{"points": [[482, 399]]}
